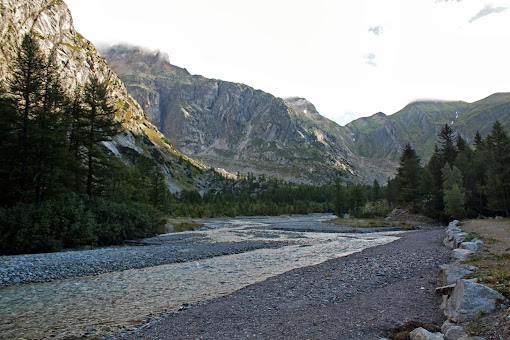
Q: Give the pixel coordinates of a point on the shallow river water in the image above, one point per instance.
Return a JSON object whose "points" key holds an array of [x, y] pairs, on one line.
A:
{"points": [[112, 302]]}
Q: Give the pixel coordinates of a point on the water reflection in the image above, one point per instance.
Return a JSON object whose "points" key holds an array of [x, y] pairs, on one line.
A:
{"points": [[110, 302]]}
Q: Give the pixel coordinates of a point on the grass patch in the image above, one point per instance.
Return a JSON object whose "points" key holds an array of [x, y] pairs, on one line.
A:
{"points": [[477, 326], [493, 259], [186, 226], [486, 239], [371, 223]]}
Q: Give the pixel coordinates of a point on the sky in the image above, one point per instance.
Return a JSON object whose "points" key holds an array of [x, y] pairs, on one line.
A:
{"points": [[350, 58]]}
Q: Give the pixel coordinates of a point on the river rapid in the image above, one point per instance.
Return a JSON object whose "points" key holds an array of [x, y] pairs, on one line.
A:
{"points": [[112, 302]]}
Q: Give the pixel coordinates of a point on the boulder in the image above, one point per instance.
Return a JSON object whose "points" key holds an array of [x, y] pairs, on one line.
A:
{"points": [[455, 222], [446, 326], [461, 254], [469, 246], [454, 333], [477, 242], [469, 299], [458, 238], [453, 272], [423, 334]]}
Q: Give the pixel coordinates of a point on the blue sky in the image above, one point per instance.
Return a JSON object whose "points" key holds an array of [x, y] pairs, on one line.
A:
{"points": [[349, 58]]}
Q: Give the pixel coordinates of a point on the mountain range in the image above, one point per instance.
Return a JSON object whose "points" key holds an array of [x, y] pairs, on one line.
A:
{"points": [[169, 114], [239, 128]]}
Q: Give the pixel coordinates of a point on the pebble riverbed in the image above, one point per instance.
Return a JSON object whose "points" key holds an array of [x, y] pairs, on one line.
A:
{"points": [[101, 291]]}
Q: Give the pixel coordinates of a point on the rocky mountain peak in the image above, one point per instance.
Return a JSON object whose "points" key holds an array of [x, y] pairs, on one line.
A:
{"points": [[301, 106], [133, 59]]}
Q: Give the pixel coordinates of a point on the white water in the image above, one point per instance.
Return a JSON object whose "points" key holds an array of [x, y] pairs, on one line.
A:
{"points": [[111, 302]]}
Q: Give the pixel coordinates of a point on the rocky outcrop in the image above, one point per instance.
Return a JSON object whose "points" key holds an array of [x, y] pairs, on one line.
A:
{"points": [[51, 22]]}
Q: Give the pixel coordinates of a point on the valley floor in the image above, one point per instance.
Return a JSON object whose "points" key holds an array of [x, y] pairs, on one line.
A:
{"points": [[359, 296]]}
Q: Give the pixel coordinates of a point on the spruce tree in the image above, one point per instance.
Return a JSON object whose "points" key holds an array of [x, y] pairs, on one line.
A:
{"points": [[454, 193], [408, 175], [99, 126], [498, 172]]}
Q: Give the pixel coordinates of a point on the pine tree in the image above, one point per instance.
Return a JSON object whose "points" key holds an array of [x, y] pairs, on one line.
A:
{"points": [[498, 173], [408, 175], [338, 198], [37, 134], [376, 190], [100, 126], [454, 193], [447, 151]]}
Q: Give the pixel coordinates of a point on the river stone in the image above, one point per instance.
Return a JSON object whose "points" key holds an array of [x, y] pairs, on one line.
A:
{"points": [[453, 272], [469, 246], [454, 333], [469, 299], [423, 334], [461, 254]]}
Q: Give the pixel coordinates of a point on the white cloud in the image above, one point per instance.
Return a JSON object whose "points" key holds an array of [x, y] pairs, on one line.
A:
{"points": [[370, 59], [377, 30], [487, 10]]}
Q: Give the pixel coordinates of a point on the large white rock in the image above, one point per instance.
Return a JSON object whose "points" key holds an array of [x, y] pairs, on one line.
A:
{"points": [[423, 334], [469, 299], [461, 254]]}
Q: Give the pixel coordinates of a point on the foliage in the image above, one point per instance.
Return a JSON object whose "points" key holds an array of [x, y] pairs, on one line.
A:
{"points": [[458, 181], [59, 186]]}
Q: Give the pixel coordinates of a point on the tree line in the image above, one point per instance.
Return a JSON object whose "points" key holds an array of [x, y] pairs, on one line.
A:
{"points": [[59, 185], [458, 180]]}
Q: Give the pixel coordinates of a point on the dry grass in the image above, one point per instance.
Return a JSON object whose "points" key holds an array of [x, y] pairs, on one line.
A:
{"points": [[493, 259]]}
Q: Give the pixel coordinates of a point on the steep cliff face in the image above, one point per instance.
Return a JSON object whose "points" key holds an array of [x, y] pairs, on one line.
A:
{"points": [[231, 125], [77, 58]]}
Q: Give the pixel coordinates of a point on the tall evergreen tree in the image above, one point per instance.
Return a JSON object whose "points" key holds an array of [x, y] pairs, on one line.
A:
{"points": [[338, 198], [498, 173], [100, 126], [408, 175], [454, 193], [447, 150]]}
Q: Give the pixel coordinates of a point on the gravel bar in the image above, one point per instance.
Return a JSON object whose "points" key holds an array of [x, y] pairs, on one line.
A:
{"points": [[360, 296], [164, 249]]}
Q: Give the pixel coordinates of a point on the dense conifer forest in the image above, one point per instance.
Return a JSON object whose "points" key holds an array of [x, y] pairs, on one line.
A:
{"points": [[458, 181]]}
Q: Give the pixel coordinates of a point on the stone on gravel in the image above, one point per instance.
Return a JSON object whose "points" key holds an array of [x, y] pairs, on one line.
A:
{"points": [[461, 254], [454, 333], [469, 246], [469, 299], [423, 334], [453, 272]]}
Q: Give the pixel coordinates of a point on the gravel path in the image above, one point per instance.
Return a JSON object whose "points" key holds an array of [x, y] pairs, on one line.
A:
{"points": [[359, 296]]}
